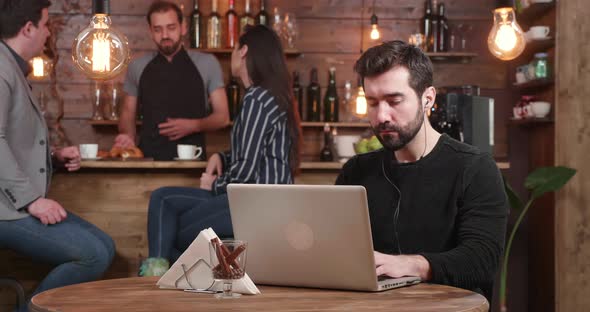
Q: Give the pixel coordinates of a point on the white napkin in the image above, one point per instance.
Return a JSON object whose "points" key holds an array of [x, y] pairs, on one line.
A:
{"points": [[198, 270]]}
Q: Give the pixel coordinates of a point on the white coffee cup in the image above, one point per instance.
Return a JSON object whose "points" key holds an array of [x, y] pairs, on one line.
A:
{"points": [[540, 109], [539, 32], [88, 151], [186, 151]]}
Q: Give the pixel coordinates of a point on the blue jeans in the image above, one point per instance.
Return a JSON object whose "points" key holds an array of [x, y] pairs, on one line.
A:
{"points": [[80, 251], [177, 215]]}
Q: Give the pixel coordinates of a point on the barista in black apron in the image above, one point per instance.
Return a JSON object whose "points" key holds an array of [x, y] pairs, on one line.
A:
{"points": [[170, 90]]}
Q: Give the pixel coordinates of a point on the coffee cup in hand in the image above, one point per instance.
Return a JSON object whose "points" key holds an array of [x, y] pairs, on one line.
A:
{"points": [[88, 151], [187, 152]]}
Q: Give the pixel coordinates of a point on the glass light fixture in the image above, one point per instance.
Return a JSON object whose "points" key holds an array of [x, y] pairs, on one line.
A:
{"points": [[100, 51], [42, 66], [375, 35], [360, 108], [506, 40]]}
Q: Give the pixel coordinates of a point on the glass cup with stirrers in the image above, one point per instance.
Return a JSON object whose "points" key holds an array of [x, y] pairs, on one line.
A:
{"points": [[228, 261]]}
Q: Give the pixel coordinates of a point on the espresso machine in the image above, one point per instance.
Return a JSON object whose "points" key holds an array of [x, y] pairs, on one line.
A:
{"points": [[464, 116]]}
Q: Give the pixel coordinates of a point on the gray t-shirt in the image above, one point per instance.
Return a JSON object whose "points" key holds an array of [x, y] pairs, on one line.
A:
{"points": [[206, 64]]}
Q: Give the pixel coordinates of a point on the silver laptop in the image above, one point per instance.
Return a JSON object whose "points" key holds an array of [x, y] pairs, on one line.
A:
{"points": [[308, 236]]}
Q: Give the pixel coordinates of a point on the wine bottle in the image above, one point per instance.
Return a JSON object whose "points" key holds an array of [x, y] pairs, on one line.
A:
{"points": [[298, 94], [331, 101], [195, 26], [435, 30], [347, 102], [326, 152], [313, 97], [443, 28], [214, 28], [426, 24], [231, 26], [247, 18], [262, 16], [233, 97]]}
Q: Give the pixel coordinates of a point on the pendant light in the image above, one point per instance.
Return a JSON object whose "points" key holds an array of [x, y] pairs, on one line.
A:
{"points": [[375, 35], [42, 66], [360, 108], [360, 103], [100, 51], [506, 40]]}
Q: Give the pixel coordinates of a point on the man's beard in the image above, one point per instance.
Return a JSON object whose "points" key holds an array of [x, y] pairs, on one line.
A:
{"points": [[169, 49], [404, 134]]}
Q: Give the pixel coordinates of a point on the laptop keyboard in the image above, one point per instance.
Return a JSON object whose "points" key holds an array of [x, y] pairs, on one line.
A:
{"points": [[382, 278]]}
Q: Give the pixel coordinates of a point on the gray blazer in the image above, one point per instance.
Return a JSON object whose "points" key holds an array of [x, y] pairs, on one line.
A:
{"points": [[25, 161]]}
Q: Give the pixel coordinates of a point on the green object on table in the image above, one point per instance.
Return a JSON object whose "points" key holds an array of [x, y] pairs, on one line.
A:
{"points": [[154, 267]]}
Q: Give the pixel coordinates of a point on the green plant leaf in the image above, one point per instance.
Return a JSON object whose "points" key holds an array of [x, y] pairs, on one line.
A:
{"points": [[548, 179], [513, 198]]}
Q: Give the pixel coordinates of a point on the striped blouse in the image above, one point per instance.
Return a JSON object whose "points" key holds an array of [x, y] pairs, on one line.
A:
{"points": [[260, 144]]}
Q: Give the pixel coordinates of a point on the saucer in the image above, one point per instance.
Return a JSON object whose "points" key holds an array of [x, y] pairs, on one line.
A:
{"points": [[185, 159], [542, 38], [93, 158]]}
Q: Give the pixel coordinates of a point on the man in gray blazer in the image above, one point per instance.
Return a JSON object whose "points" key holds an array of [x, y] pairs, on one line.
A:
{"points": [[30, 223]]}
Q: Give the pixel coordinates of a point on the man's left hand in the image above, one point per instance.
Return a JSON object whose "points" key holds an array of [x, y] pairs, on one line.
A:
{"points": [[177, 128], [70, 157], [207, 181], [402, 265]]}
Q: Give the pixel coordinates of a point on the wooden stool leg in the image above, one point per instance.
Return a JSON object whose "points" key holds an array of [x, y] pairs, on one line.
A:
{"points": [[18, 288]]}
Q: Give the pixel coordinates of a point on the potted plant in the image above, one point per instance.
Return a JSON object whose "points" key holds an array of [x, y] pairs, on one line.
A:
{"points": [[539, 182]]}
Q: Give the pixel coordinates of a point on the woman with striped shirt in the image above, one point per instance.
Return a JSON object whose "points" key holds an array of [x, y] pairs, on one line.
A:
{"points": [[265, 142]]}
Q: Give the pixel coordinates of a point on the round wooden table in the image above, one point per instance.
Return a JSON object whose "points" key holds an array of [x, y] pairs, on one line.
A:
{"points": [[142, 294]]}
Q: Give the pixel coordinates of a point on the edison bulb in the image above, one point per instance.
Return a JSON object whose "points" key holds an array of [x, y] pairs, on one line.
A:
{"points": [[100, 51], [361, 102], [506, 40], [41, 66], [375, 32]]}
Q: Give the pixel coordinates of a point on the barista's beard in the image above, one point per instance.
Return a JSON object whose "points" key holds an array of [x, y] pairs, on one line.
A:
{"points": [[169, 49]]}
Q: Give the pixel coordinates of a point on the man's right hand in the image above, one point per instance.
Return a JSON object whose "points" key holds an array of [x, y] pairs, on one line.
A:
{"points": [[214, 165], [124, 141], [47, 210]]}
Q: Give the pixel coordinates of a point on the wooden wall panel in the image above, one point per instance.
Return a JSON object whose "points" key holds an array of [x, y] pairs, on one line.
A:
{"points": [[572, 134], [401, 9]]}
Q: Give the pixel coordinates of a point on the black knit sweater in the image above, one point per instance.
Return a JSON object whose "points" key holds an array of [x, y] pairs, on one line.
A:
{"points": [[453, 210]]}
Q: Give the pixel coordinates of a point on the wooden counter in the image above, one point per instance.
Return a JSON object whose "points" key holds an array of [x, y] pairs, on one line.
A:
{"points": [[147, 164]]}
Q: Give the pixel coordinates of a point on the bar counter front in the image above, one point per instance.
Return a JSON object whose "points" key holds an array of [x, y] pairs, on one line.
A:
{"points": [[114, 196]]}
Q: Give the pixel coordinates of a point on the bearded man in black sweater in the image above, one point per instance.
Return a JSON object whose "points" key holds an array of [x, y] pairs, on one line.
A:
{"points": [[437, 206]]}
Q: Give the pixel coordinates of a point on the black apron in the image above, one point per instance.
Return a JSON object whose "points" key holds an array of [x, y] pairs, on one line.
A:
{"points": [[170, 90]]}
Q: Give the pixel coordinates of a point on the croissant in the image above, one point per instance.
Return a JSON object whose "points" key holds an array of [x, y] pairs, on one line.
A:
{"points": [[125, 153], [133, 152]]}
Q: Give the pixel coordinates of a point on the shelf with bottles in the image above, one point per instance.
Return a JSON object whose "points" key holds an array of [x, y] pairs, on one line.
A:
{"points": [[534, 10], [463, 57], [530, 121], [535, 84], [228, 51], [304, 124], [320, 124]]}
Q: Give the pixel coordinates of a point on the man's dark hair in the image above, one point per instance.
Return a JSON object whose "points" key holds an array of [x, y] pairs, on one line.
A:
{"points": [[14, 14], [379, 59], [163, 6]]}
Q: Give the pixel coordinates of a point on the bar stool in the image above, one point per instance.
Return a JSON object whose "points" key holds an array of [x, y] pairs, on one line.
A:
{"points": [[18, 288]]}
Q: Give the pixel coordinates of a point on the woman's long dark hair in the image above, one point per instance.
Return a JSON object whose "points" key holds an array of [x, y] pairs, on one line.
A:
{"points": [[267, 68]]}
